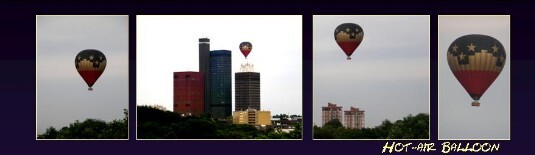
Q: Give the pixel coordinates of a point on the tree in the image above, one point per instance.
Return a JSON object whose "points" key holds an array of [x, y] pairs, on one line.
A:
{"points": [[90, 129], [411, 127], [157, 124], [323, 132], [334, 123], [297, 133], [281, 116]]}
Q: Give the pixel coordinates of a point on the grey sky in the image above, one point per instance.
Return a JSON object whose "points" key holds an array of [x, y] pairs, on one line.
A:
{"points": [[457, 118], [62, 95], [167, 44], [388, 75]]}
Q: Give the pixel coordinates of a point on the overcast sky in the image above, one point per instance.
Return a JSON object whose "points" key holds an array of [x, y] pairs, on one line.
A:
{"points": [[457, 118], [62, 95], [388, 76], [167, 44]]}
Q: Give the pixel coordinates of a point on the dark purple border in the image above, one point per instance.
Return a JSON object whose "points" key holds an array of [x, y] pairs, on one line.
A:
{"points": [[18, 77]]}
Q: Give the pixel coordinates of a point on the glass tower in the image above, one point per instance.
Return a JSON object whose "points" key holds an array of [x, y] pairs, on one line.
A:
{"points": [[220, 84]]}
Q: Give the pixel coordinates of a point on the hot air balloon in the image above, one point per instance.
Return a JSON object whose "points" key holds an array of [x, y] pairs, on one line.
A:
{"points": [[476, 61], [348, 36], [245, 48], [90, 64]]}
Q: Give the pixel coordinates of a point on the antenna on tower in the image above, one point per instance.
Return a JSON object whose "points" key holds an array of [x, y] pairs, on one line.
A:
{"points": [[247, 67]]}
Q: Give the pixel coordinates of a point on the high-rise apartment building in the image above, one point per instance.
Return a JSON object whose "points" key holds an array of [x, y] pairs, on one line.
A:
{"points": [[330, 112], [354, 118]]}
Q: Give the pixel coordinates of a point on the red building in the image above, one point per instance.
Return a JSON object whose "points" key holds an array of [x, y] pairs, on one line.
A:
{"points": [[188, 93]]}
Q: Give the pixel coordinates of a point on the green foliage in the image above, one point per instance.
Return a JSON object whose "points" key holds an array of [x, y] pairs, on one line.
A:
{"points": [[157, 124], [285, 116], [281, 116], [297, 133], [411, 127], [90, 129], [335, 123]]}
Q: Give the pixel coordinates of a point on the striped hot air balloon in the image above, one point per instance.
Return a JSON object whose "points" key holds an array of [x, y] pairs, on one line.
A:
{"points": [[476, 61], [90, 64], [245, 48], [348, 36]]}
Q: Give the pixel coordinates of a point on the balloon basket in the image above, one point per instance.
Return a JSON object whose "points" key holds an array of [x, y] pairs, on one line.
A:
{"points": [[89, 89], [475, 104], [348, 58]]}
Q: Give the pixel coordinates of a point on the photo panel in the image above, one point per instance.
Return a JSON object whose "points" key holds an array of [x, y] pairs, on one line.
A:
{"points": [[371, 77], [82, 77], [474, 77], [219, 77]]}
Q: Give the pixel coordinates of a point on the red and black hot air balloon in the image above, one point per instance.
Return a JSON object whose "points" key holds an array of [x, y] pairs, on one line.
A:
{"points": [[90, 64], [476, 61], [245, 48], [348, 36]]}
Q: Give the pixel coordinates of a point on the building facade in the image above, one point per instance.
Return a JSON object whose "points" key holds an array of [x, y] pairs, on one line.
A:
{"points": [[252, 117], [286, 124], [330, 112], [204, 68], [354, 118], [247, 91], [188, 93], [220, 84]]}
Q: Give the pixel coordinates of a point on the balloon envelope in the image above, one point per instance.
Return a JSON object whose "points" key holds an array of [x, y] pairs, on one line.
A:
{"points": [[90, 64], [245, 48], [348, 36], [476, 61]]}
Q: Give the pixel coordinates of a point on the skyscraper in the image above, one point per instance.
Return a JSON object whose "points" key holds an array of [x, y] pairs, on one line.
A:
{"points": [[247, 91], [330, 112], [188, 93], [204, 68], [354, 118], [220, 84]]}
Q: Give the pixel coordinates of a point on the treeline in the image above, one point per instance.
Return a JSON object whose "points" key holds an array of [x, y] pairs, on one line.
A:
{"points": [[158, 124], [411, 127], [90, 129]]}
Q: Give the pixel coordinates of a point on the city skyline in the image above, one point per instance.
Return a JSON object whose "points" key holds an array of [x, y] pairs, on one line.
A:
{"points": [[169, 44], [388, 74]]}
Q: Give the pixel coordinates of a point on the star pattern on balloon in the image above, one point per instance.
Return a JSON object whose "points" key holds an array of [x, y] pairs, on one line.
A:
{"points": [[351, 31], [463, 58], [95, 59], [454, 48], [495, 49], [471, 47], [463, 54]]}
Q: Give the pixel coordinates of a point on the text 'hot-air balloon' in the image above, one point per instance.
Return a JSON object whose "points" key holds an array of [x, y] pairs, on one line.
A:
{"points": [[90, 64], [348, 36], [245, 48], [476, 61]]}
